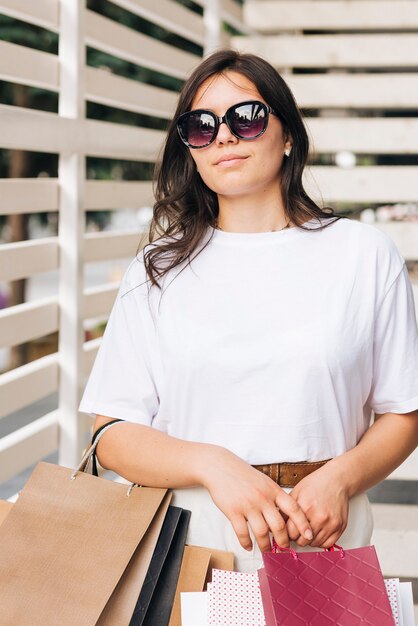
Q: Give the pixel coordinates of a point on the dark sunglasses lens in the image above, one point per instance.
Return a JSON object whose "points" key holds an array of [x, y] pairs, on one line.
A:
{"points": [[198, 129], [249, 120]]}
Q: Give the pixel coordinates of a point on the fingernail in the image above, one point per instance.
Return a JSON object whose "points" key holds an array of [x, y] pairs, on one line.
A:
{"points": [[249, 548], [308, 534]]}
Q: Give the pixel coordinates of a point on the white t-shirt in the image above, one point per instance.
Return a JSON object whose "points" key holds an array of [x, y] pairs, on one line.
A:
{"points": [[276, 345]]}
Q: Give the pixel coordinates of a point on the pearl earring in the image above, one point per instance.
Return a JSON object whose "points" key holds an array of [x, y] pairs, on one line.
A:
{"points": [[287, 152]]}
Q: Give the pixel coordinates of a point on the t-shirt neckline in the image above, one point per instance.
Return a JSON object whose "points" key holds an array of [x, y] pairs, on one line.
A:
{"points": [[222, 236]]}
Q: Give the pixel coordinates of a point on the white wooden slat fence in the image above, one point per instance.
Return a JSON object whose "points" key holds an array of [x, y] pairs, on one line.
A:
{"points": [[266, 16]]}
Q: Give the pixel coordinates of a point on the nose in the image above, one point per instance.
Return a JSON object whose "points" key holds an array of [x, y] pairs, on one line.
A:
{"points": [[224, 135]]}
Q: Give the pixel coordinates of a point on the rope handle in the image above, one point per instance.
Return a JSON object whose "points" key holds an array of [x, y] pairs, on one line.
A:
{"points": [[275, 549], [95, 440], [90, 454]]}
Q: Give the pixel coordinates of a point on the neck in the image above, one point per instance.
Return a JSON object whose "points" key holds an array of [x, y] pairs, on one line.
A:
{"points": [[251, 215]]}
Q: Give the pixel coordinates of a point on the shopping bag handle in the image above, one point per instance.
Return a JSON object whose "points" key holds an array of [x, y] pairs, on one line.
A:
{"points": [[277, 549], [90, 454], [94, 441]]}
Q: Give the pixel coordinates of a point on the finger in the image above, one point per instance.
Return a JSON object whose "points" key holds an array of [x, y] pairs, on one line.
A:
{"points": [[240, 526], [328, 535], [296, 537], [292, 531], [277, 526], [328, 541], [300, 541], [290, 507], [260, 528]]}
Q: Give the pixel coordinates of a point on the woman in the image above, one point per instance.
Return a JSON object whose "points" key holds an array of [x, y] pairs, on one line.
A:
{"points": [[256, 329]]}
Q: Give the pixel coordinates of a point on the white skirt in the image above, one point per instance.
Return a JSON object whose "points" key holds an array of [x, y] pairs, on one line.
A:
{"points": [[210, 528]]}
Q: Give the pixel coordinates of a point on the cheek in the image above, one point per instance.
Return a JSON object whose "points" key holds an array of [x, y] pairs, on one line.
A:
{"points": [[268, 161], [203, 166], [273, 155], [199, 160]]}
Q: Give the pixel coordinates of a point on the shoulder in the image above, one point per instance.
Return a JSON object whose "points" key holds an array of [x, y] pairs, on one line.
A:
{"points": [[135, 280], [368, 239], [368, 232], [371, 252]]}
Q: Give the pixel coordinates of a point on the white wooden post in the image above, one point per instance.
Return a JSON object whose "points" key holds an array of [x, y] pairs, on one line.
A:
{"points": [[213, 25], [71, 233]]}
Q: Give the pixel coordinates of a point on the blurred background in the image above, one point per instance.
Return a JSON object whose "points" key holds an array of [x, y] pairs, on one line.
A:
{"points": [[87, 89]]}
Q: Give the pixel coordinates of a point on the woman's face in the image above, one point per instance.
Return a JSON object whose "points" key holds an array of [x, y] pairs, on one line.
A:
{"points": [[258, 162]]}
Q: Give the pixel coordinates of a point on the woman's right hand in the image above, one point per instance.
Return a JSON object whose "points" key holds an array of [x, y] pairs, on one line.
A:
{"points": [[249, 498]]}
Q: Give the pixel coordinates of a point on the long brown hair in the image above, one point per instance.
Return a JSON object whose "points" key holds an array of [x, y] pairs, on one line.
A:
{"points": [[185, 206]]}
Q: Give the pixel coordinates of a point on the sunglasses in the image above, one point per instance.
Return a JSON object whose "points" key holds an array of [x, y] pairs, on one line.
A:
{"points": [[246, 120]]}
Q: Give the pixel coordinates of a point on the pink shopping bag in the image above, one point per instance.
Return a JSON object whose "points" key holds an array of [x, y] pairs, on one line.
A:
{"points": [[324, 588]]}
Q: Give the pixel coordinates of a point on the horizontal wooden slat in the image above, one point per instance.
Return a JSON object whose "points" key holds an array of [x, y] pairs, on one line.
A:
{"points": [[28, 445], [121, 141], [28, 195], [98, 301], [123, 42], [364, 91], [109, 194], [44, 13], [168, 14], [374, 50], [115, 245], [362, 184], [40, 131], [364, 135], [27, 66], [116, 91], [26, 258], [35, 195], [28, 383], [28, 321], [267, 16], [405, 236]]}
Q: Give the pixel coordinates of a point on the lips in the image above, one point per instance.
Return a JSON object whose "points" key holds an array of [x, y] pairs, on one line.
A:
{"points": [[230, 157]]}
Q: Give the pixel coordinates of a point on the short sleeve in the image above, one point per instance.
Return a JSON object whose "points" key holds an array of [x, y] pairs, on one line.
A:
{"points": [[122, 381], [395, 350]]}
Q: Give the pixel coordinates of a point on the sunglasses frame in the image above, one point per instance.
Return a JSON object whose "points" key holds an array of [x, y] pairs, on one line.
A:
{"points": [[223, 119]]}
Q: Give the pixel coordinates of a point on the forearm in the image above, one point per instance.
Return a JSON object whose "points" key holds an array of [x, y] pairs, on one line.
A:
{"points": [[384, 446], [247, 497], [146, 456]]}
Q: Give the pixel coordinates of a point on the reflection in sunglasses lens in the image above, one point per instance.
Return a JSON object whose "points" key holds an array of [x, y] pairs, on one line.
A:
{"points": [[199, 129], [249, 120]]}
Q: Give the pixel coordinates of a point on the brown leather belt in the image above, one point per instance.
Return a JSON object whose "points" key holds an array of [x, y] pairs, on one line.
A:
{"points": [[289, 474]]}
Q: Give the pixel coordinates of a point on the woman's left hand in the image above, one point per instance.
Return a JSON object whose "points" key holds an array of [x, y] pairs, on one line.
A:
{"points": [[323, 497]]}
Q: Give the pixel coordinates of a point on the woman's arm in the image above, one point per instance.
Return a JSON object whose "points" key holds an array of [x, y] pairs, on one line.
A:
{"points": [[247, 497], [324, 495]]}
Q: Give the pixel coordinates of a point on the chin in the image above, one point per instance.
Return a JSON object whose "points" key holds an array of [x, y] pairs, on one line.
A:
{"points": [[231, 186]]}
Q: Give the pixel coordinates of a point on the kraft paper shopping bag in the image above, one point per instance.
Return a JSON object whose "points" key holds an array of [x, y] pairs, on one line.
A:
{"points": [[65, 544]]}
